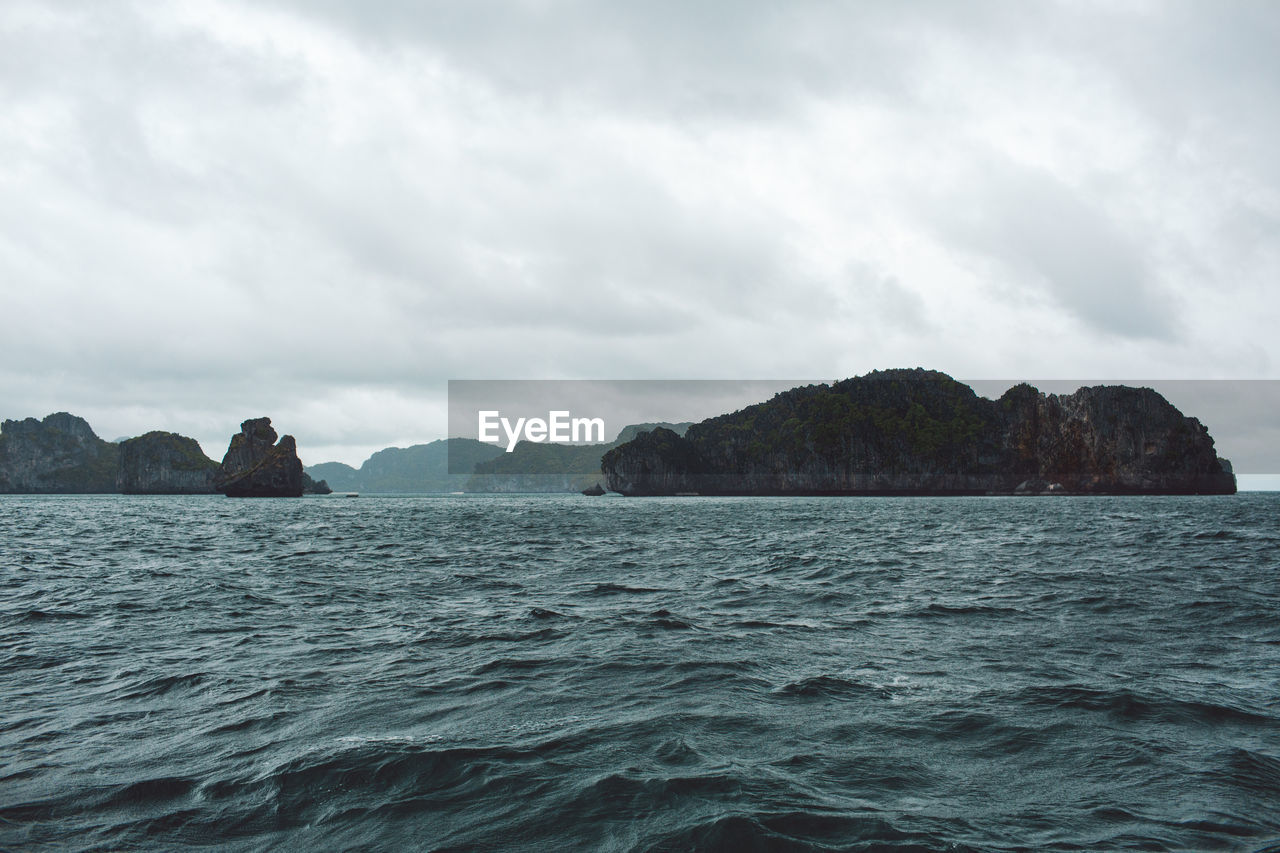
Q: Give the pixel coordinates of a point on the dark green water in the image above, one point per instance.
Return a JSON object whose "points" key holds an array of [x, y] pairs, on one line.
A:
{"points": [[533, 673]]}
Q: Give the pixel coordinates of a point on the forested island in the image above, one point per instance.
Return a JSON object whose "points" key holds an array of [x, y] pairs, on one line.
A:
{"points": [[918, 432]]}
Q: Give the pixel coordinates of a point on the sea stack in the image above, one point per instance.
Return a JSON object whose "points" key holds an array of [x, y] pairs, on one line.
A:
{"points": [[256, 466]]}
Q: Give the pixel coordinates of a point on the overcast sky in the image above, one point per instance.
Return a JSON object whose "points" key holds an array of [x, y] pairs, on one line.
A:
{"points": [[323, 211]]}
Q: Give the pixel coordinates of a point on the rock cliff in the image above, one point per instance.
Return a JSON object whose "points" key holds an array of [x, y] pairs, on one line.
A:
{"points": [[1108, 438], [314, 487], [60, 454], [256, 466], [921, 432], [164, 463]]}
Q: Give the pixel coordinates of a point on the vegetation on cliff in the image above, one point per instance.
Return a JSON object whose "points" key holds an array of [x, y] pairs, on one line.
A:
{"points": [[922, 432], [164, 463], [60, 454]]}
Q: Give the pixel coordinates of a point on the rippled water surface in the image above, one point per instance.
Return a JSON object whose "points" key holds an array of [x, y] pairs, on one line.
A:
{"points": [[556, 673]]}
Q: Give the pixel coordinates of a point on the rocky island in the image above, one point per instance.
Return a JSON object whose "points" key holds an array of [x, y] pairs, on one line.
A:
{"points": [[58, 455], [256, 466], [918, 432], [164, 463]]}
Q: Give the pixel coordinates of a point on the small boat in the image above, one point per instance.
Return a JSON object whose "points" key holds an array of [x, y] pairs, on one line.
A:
{"points": [[351, 495]]}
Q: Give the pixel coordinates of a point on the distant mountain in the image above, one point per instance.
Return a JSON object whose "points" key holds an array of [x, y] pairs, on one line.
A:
{"points": [[629, 432], [420, 468], [340, 476], [529, 467]]}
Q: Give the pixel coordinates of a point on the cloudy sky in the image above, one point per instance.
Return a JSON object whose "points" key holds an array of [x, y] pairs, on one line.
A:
{"points": [[322, 211]]}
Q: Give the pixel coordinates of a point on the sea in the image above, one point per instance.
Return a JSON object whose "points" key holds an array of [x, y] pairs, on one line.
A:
{"points": [[552, 673]]}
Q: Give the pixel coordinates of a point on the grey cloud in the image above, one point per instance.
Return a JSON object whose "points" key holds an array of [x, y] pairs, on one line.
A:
{"points": [[336, 207], [880, 296], [1048, 236], [692, 60]]}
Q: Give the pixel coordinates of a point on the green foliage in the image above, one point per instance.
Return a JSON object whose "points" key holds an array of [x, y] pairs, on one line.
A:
{"points": [[907, 419]]}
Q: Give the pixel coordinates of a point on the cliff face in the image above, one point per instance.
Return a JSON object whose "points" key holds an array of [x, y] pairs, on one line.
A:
{"points": [[60, 454], [921, 432], [1110, 439], [256, 466], [314, 487], [164, 463]]}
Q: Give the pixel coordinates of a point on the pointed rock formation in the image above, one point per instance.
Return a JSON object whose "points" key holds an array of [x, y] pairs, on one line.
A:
{"points": [[256, 466]]}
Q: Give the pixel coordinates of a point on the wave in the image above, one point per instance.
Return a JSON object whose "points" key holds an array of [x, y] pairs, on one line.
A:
{"points": [[48, 615], [780, 674], [832, 687], [1250, 771], [799, 832], [1132, 705], [162, 684], [939, 610], [617, 588]]}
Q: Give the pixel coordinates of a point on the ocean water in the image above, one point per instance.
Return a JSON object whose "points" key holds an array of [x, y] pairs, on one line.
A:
{"points": [[571, 673]]}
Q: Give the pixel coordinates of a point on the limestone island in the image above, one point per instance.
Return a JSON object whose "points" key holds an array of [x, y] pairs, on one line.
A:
{"points": [[256, 466], [918, 432], [164, 463]]}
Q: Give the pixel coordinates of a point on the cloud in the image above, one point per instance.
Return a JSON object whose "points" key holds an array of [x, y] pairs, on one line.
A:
{"points": [[323, 211], [1050, 239]]}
